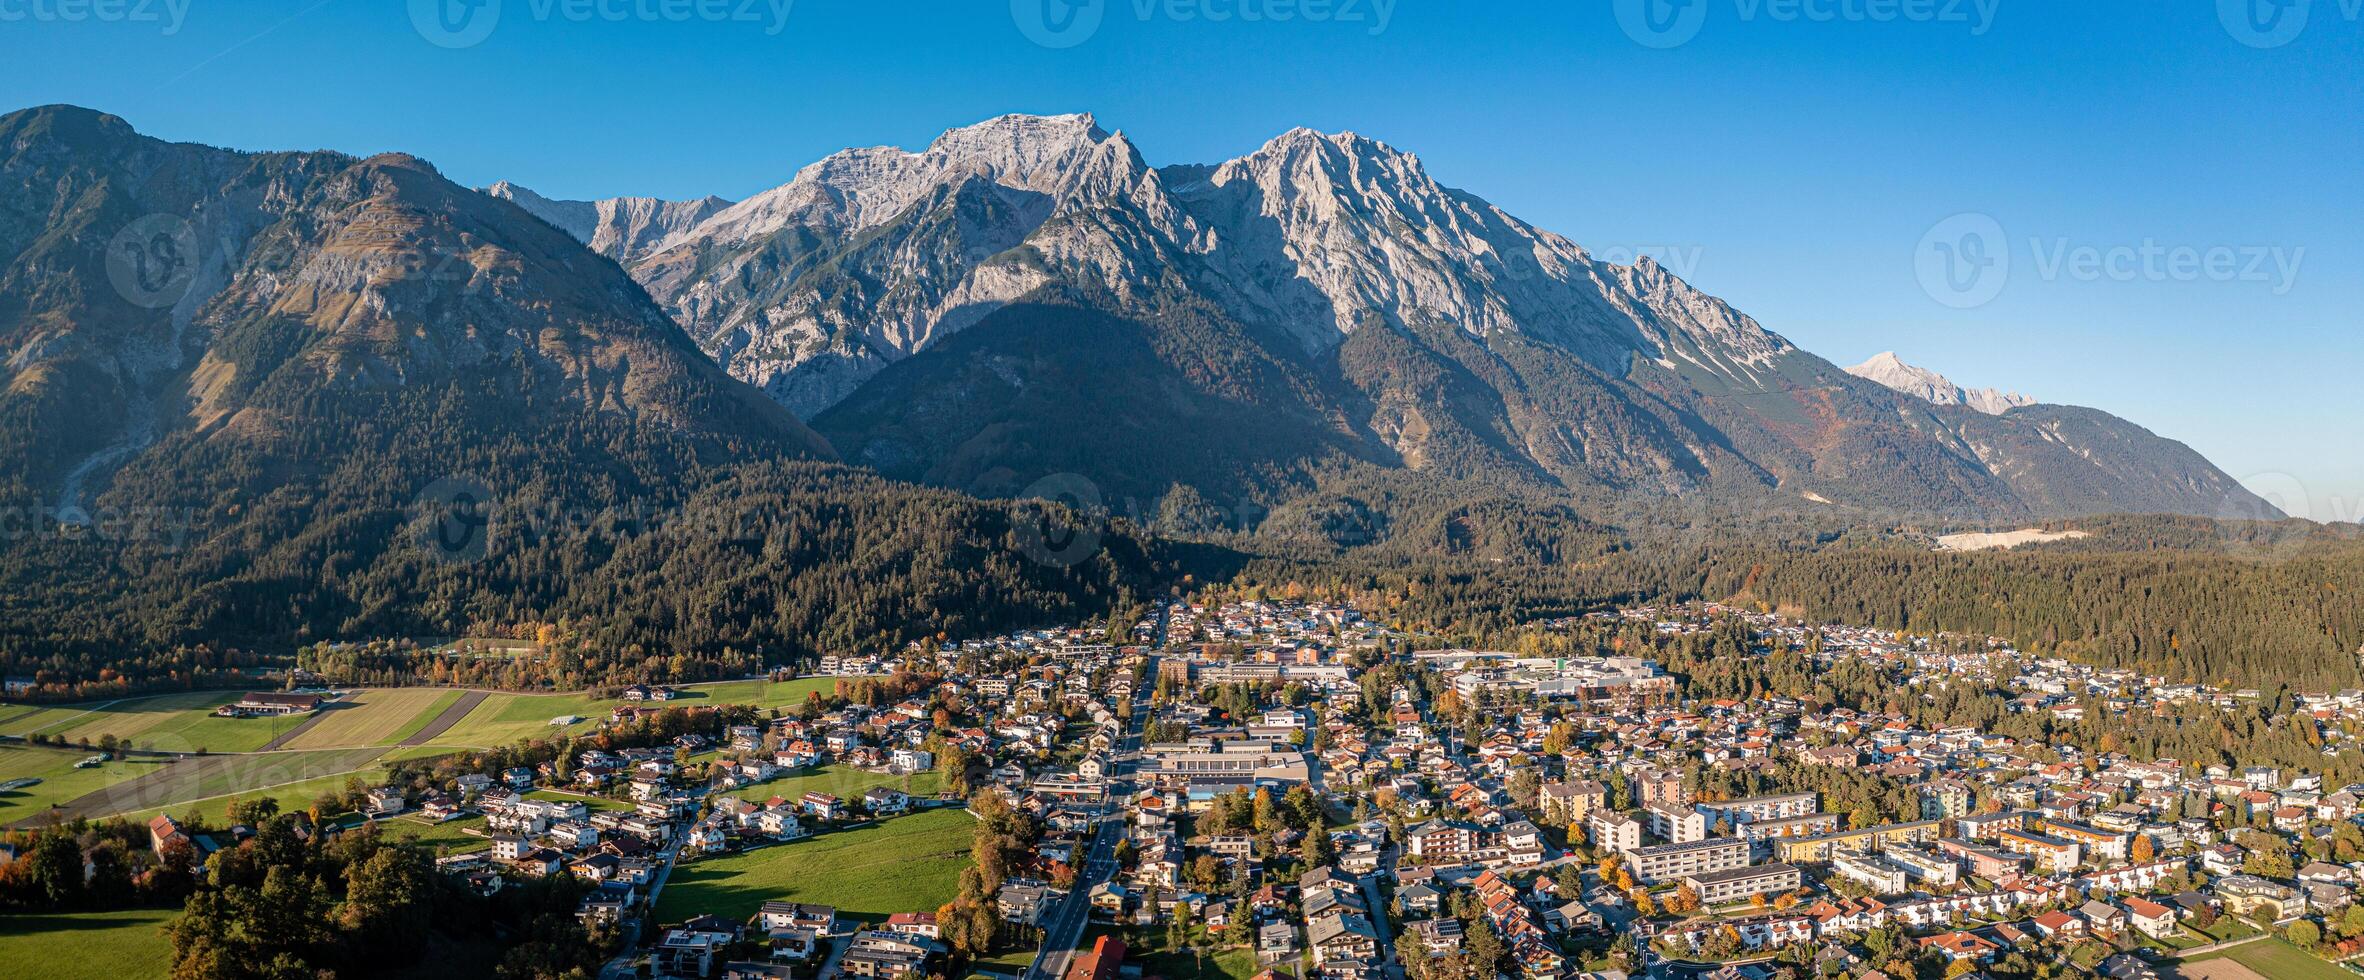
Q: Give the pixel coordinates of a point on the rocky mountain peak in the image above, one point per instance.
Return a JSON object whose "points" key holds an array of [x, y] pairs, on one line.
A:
{"points": [[399, 161], [1892, 372], [1305, 162], [626, 229], [1068, 158]]}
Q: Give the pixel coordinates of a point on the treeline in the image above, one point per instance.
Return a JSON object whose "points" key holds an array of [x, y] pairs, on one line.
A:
{"points": [[2250, 606], [286, 904], [2204, 617], [771, 563], [60, 675], [297, 900], [1724, 662]]}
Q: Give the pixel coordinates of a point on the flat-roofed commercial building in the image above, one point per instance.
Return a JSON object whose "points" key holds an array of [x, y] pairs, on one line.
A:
{"points": [[1177, 764]]}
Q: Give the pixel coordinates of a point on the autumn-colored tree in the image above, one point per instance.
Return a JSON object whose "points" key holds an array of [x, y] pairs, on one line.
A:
{"points": [[1642, 903]]}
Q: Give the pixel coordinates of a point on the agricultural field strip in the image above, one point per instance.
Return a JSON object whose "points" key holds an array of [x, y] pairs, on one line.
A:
{"points": [[445, 717], [373, 717], [216, 777], [413, 717]]}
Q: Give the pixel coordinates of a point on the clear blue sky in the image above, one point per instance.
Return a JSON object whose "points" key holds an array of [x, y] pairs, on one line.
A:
{"points": [[1791, 162]]}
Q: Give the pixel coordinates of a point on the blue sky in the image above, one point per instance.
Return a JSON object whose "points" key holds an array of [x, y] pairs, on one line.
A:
{"points": [[2176, 200]]}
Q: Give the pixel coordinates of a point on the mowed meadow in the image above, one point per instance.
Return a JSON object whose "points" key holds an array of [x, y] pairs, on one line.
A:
{"points": [[902, 864], [179, 754]]}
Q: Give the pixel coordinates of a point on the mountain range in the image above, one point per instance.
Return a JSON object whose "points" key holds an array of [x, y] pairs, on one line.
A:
{"points": [[252, 398], [1027, 296], [1315, 331]]}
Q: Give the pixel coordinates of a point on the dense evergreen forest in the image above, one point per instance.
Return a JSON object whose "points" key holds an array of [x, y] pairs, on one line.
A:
{"points": [[2246, 605], [215, 554]]}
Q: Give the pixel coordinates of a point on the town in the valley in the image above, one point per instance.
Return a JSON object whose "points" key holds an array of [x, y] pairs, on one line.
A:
{"points": [[1284, 788]]}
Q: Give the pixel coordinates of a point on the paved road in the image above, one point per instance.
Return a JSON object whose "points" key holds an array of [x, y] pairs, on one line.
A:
{"points": [[451, 716], [620, 968], [1065, 927], [1378, 909]]}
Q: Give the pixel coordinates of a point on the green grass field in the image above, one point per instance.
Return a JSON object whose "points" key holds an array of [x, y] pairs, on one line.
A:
{"points": [[506, 718], [193, 731], [162, 723], [760, 693], [291, 797], [908, 864], [596, 803], [130, 717], [846, 782], [203, 782], [1227, 963], [56, 718], [451, 834], [86, 945], [60, 781], [419, 752], [502, 719], [2278, 960], [381, 717]]}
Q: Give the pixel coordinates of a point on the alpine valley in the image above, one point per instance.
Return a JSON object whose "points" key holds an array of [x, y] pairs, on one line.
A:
{"points": [[241, 386]]}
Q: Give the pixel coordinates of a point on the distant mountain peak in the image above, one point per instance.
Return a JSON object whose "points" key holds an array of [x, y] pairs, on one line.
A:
{"points": [[1892, 372], [1018, 128], [399, 161], [622, 228]]}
